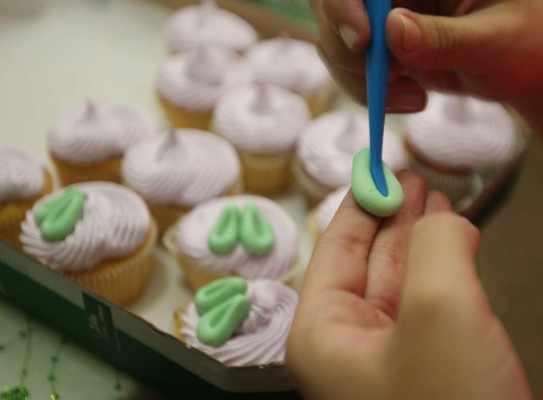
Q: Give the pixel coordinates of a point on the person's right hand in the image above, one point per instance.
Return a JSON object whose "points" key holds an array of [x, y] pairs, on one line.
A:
{"points": [[487, 48]]}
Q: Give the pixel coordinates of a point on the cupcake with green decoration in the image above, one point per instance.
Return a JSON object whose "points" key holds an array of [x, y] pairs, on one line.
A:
{"points": [[239, 322], [246, 236], [99, 234]]}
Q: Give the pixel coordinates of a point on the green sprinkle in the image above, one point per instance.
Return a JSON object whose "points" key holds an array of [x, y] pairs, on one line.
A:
{"points": [[217, 292], [223, 236], [57, 218], [218, 325], [54, 358], [255, 233], [367, 195]]}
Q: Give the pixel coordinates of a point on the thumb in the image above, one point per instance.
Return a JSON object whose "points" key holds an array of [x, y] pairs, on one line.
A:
{"points": [[470, 42]]}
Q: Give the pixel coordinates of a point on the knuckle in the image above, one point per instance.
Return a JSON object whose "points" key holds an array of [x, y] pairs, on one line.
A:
{"points": [[443, 38]]}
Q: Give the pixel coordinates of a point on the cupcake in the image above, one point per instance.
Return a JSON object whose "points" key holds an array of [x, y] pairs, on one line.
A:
{"points": [[189, 85], [456, 137], [176, 171], [263, 122], [99, 234], [294, 65], [239, 323], [326, 149], [87, 141], [23, 180], [321, 216], [247, 236], [206, 24]]}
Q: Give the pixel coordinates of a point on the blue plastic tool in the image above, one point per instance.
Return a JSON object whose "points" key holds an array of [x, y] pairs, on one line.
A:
{"points": [[377, 84]]}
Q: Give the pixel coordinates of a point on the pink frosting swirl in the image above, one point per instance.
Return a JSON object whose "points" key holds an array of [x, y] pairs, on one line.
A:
{"points": [[22, 175], [461, 132], [114, 223], [206, 24], [290, 63], [94, 131], [329, 206], [261, 119], [327, 146], [261, 339], [183, 167], [191, 239], [196, 80]]}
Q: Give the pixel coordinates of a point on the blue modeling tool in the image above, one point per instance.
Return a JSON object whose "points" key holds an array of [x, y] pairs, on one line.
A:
{"points": [[377, 84]]}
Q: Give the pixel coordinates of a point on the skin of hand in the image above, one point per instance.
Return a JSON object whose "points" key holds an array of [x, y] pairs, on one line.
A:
{"points": [[393, 309], [491, 49]]}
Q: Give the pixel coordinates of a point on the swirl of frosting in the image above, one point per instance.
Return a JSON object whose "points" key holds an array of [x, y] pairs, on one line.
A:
{"points": [[289, 63], [191, 239], [261, 119], [94, 131], [22, 175], [196, 80], [183, 167], [461, 132], [327, 146], [261, 339], [114, 222], [328, 207], [206, 24]]}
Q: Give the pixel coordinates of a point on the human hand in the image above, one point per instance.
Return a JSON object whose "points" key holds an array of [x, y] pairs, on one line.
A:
{"points": [[393, 309], [487, 48]]}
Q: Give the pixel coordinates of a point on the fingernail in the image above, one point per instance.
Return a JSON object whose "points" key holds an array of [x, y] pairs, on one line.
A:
{"points": [[410, 101], [412, 35], [349, 35]]}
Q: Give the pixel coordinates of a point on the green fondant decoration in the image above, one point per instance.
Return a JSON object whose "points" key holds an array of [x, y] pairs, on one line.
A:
{"points": [[223, 236], [57, 218], [217, 325], [217, 292], [366, 193], [255, 233], [16, 393]]}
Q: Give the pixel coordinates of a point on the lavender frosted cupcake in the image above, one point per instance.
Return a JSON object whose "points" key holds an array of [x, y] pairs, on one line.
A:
{"points": [[247, 236], [295, 65], [190, 84], [205, 24], [99, 234], [263, 122], [178, 170], [456, 137], [326, 149], [252, 333], [23, 180], [88, 140]]}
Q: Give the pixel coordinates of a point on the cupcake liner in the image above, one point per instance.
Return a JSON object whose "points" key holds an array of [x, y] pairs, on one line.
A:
{"points": [[319, 102], [13, 214], [166, 215], [181, 118], [313, 191], [122, 280], [314, 225], [109, 170], [267, 173], [197, 275]]}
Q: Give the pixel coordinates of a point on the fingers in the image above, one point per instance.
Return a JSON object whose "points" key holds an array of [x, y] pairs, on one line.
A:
{"points": [[349, 21], [340, 257], [436, 202], [471, 42], [389, 250]]}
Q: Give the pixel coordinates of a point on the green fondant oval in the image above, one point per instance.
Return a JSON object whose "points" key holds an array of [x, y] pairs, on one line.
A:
{"points": [[57, 218], [217, 325], [366, 193], [223, 236], [217, 292], [256, 233]]}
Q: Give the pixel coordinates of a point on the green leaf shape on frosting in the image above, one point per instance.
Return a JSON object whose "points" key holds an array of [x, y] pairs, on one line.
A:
{"points": [[57, 218], [217, 292], [366, 193], [217, 325], [223, 235], [256, 233]]}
